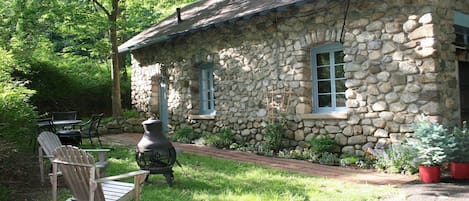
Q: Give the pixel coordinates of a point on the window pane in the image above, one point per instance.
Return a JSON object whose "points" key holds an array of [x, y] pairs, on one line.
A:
{"points": [[340, 100], [339, 57], [324, 73], [340, 86], [324, 100], [459, 39], [324, 87], [322, 59], [339, 71]]}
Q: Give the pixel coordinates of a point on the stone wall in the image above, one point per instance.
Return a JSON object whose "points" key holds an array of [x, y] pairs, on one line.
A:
{"points": [[399, 63]]}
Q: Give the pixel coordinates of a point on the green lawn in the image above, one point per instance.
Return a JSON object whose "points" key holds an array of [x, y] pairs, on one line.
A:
{"points": [[206, 178]]}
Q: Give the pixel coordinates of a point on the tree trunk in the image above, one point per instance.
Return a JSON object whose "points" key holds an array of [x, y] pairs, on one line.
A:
{"points": [[116, 92]]}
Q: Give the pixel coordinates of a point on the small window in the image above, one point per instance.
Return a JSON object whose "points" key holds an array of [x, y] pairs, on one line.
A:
{"points": [[328, 78], [207, 100], [462, 35]]}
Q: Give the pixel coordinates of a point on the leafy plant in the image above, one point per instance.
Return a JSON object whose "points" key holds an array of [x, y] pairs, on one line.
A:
{"points": [[273, 135], [348, 160], [431, 142], [130, 113], [329, 159], [184, 135], [17, 115], [323, 144], [220, 140], [396, 158]]}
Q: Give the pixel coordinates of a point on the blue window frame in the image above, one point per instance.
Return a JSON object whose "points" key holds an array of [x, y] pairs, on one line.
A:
{"points": [[328, 78], [207, 99]]}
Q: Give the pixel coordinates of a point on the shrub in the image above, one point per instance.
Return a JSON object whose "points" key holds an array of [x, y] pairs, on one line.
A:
{"points": [[273, 135], [323, 144], [329, 159], [396, 158], [220, 140], [431, 142], [17, 115], [184, 135], [460, 153]]}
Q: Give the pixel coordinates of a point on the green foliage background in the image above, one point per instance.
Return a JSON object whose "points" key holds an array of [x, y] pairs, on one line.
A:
{"points": [[56, 56]]}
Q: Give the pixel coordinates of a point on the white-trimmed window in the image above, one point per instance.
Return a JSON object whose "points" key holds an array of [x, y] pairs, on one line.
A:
{"points": [[207, 99], [328, 78]]}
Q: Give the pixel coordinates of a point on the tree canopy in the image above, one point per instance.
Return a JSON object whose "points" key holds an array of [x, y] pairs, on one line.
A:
{"points": [[56, 53]]}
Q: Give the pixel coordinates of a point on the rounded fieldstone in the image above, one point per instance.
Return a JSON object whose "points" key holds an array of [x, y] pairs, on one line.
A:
{"points": [[341, 139], [379, 123], [358, 139], [309, 137], [383, 76], [381, 133], [374, 45], [410, 25], [397, 107], [375, 26], [348, 149], [259, 137], [426, 18], [299, 135], [379, 106]]}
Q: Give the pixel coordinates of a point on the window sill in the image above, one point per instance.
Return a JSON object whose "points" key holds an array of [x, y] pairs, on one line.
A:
{"points": [[202, 116], [324, 116]]}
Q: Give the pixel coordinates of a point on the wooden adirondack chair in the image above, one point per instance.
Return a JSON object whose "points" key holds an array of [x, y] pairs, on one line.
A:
{"points": [[79, 171], [49, 141]]}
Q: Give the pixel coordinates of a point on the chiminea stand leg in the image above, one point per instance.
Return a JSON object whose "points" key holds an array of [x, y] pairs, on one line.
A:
{"points": [[169, 178]]}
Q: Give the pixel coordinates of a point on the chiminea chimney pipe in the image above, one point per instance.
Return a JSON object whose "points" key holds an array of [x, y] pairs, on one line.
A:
{"points": [[178, 11]]}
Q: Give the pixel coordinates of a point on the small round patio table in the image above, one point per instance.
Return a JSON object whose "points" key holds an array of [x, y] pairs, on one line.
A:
{"points": [[68, 136]]}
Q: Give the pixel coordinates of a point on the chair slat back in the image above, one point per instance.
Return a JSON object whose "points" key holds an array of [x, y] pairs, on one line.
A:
{"points": [[70, 115], [48, 142], [95, 121], [75, 165]]}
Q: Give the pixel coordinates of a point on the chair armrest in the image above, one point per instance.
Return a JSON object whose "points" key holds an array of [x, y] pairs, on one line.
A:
{"points": [[84, 124], [101, 153], [96, 150], [124, 176]]}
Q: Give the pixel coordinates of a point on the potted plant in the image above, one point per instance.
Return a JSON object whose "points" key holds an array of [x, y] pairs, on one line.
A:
{"points": [[432, 144], [459, 165]]}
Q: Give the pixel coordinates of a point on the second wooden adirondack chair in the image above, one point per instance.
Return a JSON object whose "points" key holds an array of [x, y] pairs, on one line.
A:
{"points": [[79, 171], [49, 141]]}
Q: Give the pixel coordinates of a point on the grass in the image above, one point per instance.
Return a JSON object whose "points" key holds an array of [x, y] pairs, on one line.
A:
{"points": [[206, 178]]}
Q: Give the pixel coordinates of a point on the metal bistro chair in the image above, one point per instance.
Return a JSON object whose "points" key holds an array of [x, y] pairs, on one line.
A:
{"points": [[79, 171], [91, 128]]}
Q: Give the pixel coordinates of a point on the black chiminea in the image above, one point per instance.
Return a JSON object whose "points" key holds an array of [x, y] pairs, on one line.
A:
{"points": [[155, 153]]}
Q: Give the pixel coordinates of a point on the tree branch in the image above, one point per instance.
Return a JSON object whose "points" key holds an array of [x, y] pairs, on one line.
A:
{"points": [[102, 7]]}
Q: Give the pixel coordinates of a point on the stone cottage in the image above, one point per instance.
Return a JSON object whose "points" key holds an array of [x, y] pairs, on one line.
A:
{"points": [[360, 71]]}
